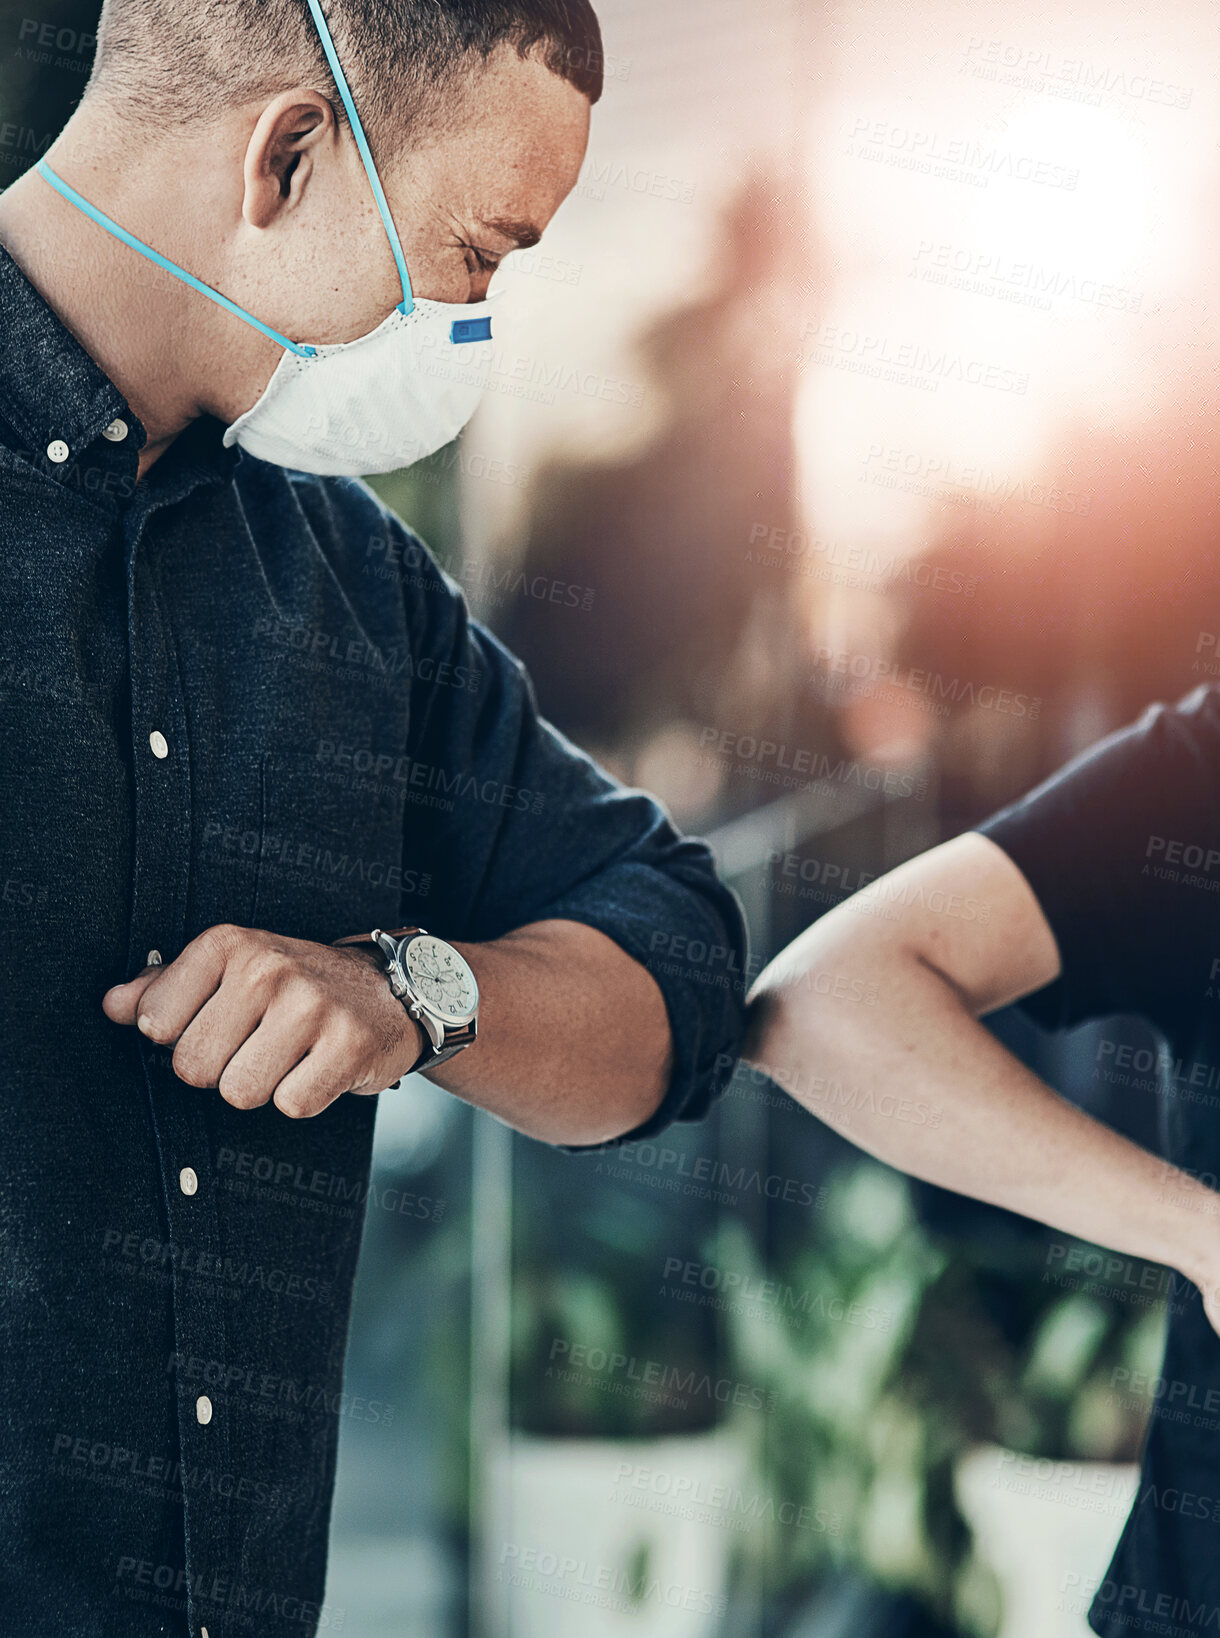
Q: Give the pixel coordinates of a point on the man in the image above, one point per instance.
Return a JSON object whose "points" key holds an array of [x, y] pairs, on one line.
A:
{"points": [[1095, 894], [264, 243]]}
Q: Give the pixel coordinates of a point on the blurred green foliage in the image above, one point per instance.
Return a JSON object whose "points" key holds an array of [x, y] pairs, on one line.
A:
{"points": [[912, 1351]]}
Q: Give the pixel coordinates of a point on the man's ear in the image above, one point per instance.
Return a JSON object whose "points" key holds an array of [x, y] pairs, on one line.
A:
{"points": [[281, 153]]}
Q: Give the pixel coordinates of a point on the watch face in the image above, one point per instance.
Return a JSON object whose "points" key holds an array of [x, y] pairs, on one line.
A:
{"points": [[443, 979]]}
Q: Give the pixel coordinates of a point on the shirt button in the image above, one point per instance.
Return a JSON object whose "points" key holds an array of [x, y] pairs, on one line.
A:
{"points": [[203, 1409], [154, 959], [116, 431], [187, 1181], [159, 744], [58, 451]]}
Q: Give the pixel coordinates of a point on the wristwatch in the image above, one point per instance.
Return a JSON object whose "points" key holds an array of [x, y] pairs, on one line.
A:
{"points": [[435, 985]]}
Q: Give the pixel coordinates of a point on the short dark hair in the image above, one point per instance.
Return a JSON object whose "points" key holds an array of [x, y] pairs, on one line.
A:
{"points": [[170, 60]]}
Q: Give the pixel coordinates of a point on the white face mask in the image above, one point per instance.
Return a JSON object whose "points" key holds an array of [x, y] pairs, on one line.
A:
{"points": [[393, 397]]}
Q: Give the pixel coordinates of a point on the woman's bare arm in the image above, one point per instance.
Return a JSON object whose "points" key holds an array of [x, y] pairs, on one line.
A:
{"points": [[871, 1020]]}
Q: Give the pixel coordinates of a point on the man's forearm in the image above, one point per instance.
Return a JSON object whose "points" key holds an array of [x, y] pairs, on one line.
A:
{"points": [[574, 1043], [918, 1082]]}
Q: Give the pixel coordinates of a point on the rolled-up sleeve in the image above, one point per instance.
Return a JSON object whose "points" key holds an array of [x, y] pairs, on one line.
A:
{"points": [[532, 829]]}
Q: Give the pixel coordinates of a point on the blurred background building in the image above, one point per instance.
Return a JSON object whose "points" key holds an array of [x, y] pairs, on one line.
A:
{"points": [[848, 465]]}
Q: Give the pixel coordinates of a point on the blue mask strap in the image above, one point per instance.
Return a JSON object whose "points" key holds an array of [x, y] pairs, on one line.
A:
{"points": [[163, 262], [336, 68]]}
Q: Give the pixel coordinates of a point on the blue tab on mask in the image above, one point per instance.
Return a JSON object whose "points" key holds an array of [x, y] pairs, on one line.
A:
{"points": [[471, 330]]}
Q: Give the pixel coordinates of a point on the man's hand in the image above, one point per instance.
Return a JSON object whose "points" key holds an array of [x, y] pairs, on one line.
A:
{"points": [[272, 1019], [574, 1038]]}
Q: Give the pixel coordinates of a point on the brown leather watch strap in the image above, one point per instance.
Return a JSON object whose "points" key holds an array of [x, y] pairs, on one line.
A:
{"points": [[455, 1041], [367, 938]]}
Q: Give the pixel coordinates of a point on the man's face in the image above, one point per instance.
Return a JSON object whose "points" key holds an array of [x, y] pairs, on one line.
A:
{"points": [[485, 180]]}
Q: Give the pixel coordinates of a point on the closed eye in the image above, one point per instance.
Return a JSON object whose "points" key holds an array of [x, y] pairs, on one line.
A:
{"points": [[487, 260]]}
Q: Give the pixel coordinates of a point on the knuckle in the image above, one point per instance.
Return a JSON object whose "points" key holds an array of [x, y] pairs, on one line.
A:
{"points": [[348, 1035], [268, 967], [305, 999], [222, 938]]}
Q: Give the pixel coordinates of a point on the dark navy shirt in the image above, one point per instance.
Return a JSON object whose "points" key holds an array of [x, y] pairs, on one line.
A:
{"points": [[236, 694], [1122, 850]]}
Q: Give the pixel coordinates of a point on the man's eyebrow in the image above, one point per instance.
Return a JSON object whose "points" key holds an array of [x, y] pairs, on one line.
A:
{"points": [[524, 234]]}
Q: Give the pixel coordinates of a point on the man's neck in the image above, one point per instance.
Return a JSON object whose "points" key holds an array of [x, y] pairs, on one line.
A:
{"points": [[129, 316]]}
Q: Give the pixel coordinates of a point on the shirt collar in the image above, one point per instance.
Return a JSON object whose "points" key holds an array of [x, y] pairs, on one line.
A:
{"points": [[50, 389], [54, 395]]}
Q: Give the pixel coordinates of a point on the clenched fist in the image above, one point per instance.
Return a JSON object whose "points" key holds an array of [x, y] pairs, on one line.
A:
{"points": [[272, 1019]]}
